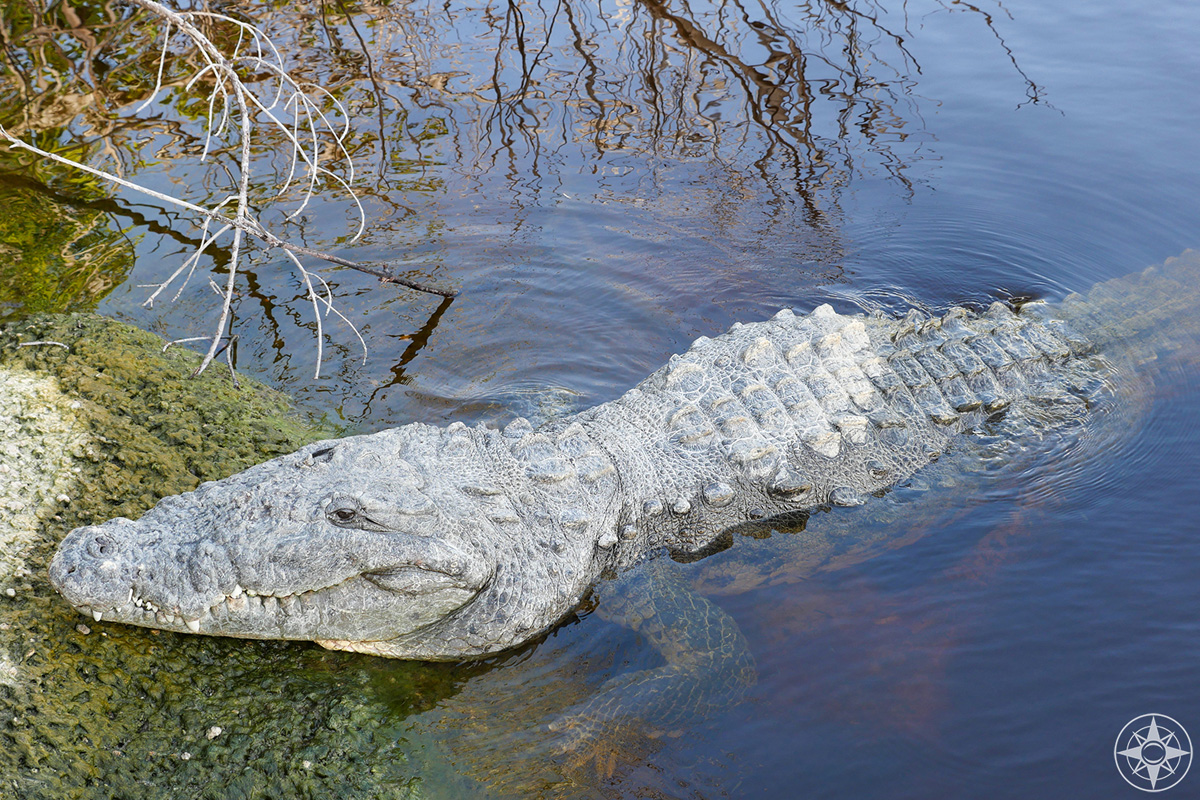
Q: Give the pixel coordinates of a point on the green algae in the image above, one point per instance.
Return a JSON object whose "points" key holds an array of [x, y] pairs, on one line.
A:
{"points": [[99, 710], [119, 713]]}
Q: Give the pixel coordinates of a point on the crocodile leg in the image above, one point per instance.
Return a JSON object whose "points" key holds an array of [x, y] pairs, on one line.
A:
{"points": [[707, 664]]}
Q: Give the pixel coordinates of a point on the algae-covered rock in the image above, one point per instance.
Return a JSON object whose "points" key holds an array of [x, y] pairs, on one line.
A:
{"points": [[103, 424], [156, 430]]}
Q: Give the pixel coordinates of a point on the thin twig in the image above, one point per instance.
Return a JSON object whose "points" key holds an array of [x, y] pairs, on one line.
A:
{"points": [[226, 349], [169, 344], [243, 209]]}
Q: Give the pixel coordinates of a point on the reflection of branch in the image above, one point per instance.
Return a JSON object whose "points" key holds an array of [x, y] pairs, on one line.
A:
{"points": [[370, 68], [592, 70], [761, 91], [417, 343], [104, 205], [1032, 91]]}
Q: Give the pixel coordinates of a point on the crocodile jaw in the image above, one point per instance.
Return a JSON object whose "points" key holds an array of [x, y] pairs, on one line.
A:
{"points": [[411, 583]]}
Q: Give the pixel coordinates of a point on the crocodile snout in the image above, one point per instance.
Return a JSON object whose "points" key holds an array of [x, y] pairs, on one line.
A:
{"points": [[87, 570]]}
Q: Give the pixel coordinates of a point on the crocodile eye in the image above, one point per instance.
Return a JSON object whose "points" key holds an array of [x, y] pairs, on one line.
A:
{"points": [[348, 511], [342, 516]]}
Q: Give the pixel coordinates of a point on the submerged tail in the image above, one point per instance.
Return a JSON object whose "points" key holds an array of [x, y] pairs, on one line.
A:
{"points": [[1149, 313]]}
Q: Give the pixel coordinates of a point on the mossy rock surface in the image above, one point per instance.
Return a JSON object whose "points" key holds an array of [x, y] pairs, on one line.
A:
{"points": [[99, 710], [157, 430]]}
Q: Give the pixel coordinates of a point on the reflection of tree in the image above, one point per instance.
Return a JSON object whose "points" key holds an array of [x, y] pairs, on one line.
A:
{"points": [[669, 79], [60, 63], [713, 113], [59, 256], [68, 62], [797, 100]]}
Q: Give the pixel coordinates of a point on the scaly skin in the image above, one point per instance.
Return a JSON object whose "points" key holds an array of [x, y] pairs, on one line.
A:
{"points": [[450, 543]]}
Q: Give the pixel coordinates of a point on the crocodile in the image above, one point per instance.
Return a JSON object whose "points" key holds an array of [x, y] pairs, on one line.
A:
{"points": [[456, 542]]}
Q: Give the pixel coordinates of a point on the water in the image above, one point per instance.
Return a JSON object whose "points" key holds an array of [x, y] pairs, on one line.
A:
{"points": [[654, 173]]}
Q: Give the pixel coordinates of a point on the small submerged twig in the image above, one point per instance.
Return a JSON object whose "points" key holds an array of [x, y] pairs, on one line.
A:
{"points": [[47, 342]]}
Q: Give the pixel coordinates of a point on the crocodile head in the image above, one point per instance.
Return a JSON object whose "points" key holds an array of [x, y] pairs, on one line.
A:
{"points": [[358, 544]]}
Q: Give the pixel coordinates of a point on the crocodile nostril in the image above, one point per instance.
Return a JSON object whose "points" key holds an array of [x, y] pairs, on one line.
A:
{"points": [[102, 545]]}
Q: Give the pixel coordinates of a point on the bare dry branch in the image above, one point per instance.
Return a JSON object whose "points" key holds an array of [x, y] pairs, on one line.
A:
{"points": [[297, 112]]}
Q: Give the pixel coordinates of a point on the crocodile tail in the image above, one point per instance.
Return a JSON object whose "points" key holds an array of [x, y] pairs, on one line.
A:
{"points": [[1144, 315]]}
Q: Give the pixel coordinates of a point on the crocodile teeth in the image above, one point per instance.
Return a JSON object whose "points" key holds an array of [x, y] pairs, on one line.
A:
{"points": [[98, 616], [193, 625]]}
